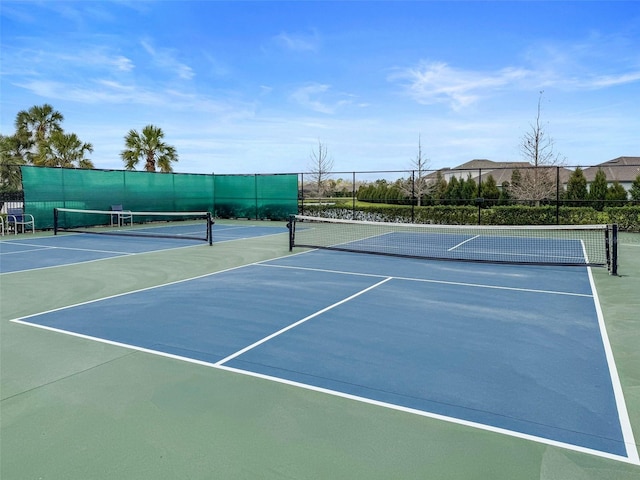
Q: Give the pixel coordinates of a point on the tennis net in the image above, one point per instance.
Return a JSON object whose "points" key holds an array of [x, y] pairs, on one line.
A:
{"points": [[567, 245], [183, 225]]}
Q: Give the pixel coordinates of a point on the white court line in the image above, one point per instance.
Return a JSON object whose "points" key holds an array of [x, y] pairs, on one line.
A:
{"points": [[481, 426], [230, 238], [299, 322], [444, 282], [21, 319], [436, 416], [462, 243], [119, 255], [627, 433], [237, 227], [50, 247], [211, 274], [623, 414]]}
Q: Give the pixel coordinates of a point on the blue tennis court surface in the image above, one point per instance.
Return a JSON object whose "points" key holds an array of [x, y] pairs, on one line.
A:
{"points": [[28, 253], [513, 349]]}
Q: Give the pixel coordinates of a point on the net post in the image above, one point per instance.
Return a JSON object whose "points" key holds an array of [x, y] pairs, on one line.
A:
{"points": [[55, 221], [613, 267], [210, 228], [290, 226]]}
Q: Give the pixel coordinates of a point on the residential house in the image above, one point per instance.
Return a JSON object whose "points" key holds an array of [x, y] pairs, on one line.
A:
{"points": [[623, 169], [500, 171]]}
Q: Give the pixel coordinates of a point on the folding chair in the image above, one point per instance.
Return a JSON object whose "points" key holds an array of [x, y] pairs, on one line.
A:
{"points": [[120, 216], [16, 218]]}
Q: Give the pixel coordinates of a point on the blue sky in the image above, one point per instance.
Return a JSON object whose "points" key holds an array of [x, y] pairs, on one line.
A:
{"points": [[252, 87]]}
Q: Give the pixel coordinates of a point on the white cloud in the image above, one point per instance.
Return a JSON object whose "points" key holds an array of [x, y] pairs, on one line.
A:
{"points": [[122, 63], [581, 66], [437, 82], [604, 81], [165, 59], [51, 60], [308, 97], [298, 42], [100, 91], [96, 57], [317, 97], [597, 62], [111, 92]]}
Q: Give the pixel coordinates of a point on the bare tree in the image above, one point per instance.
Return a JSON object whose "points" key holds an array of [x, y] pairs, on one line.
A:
{"points": [[418, 185], [538, 182], [320, 167]]}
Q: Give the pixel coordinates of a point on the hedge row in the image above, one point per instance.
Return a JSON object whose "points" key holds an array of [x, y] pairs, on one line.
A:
{"points": [[627, 217]]}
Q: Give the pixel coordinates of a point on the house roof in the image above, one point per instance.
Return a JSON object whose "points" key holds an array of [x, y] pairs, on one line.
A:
{"points": [[489, 164], [500, 171], [622, 169]]}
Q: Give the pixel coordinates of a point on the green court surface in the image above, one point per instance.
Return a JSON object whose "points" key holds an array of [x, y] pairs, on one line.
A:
{"points": [[74, 408]]}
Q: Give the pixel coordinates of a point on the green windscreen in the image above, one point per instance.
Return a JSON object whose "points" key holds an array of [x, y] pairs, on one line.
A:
{"points": [[256, 196], [276, 196], [235, 196], [271, 197]]}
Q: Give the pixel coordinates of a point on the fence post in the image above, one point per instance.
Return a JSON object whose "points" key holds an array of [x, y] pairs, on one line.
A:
{"points": [[413, 196], [479, 202], [353, 196], [301, 194], [557, 195]]}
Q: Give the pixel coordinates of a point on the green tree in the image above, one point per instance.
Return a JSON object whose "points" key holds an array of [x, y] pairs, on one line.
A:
{"points": [[468, 191], [34, 127], [635, 189], [577, 187], [598, 190], [39, 139], [454, 190], [149, 147], [364, 192], [516, 178], [375, 192], [490, 191], [616, 195], [65, 150], [504, 194], [11, 157], [439, 188], [395, 193]]}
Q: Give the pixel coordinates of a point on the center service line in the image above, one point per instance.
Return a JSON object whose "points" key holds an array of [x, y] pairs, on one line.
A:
{"points": [[299, 322]]}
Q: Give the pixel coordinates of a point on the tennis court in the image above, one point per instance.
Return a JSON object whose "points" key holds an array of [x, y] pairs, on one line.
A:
{"points": [[25, 253], [251, 361]]}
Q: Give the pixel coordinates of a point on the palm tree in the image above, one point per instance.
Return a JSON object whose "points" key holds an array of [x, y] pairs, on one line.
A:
{"points": [[66, 150], [11, 157], [35, 126], [148, 146]]}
